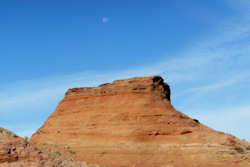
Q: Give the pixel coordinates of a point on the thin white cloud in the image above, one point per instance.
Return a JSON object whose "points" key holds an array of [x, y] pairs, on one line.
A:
{"points": [[197, 63], [233, 120], [190, 64], [231, 81]]}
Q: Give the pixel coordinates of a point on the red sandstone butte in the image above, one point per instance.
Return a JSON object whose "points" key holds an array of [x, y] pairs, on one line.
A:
{"points": [[131, 123]]}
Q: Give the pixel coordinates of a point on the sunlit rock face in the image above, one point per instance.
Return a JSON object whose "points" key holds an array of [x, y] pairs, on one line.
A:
{"points": [[131, 123], [18, 152]]}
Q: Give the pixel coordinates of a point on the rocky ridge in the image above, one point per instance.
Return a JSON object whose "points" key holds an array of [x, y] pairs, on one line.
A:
{"points": [[131, 123], [18, 152]]}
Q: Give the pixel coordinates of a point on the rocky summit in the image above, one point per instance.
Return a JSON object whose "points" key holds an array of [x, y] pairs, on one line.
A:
{"points": [[131, 123]]}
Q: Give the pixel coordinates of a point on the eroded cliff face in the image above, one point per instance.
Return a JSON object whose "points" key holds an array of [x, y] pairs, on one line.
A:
{"points": [[131, 123]]}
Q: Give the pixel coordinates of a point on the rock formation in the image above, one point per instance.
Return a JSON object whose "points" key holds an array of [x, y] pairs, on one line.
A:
{"points": [[131, 123], [17, 152]]}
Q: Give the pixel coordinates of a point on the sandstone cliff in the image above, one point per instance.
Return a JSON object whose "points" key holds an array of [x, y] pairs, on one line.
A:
{"points": [[131, 123]]}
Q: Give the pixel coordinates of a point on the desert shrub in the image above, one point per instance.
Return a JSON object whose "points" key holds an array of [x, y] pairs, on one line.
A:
{"points": [[248, 147], [239, 149], [58, 153]]}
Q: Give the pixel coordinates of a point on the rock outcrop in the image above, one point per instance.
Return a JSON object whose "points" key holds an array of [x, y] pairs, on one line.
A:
{"points": [[17, 152], [131, 123]]}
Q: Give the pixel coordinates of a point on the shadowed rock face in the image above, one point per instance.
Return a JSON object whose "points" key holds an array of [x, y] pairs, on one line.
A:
{"points": [[130, 123]]}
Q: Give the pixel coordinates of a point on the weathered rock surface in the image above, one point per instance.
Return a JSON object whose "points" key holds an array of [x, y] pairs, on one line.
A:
{"points": [[131, 123], [17, 152]]}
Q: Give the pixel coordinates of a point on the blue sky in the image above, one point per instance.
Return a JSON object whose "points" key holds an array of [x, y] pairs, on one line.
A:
{"points": [[201, 48]]}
